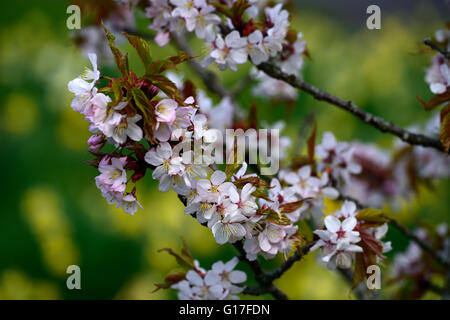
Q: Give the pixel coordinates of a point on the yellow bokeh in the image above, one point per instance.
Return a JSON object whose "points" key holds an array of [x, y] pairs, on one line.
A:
{"points": [[51, 227], [20, 114], [15, 285]]}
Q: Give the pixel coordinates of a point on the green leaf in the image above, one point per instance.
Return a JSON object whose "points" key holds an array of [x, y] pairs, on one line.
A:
{"points": [[222, 8], [371, 215], [259, 193], [239, 7], [183, 261], [159, 66], [275, 217], [148, 111], [121, 60], [234, 162], [305, 230], [165, 85], [142, 48]]}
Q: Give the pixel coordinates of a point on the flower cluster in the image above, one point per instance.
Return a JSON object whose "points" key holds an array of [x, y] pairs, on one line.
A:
{"points": [[337, 158], [230, 203], [341, 237], [375, 176], [222, 282], [234, 31]]}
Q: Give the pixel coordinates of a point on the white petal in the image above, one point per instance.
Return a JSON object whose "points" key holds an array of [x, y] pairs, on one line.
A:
{"points": [[164, 150], [134, 132], [237, 276], [153, 158], [220, 232], [349, 224], [332, 223], [194, 278], [218, 177]]}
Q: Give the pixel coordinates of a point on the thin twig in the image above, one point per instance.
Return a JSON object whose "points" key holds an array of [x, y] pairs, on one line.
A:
{"points": [[424, 245], [379, 123], [298, 255], [434, 46], [265, 282], [209, 78]]}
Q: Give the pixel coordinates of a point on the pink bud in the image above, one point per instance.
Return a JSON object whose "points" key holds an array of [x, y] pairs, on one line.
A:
{"points": [[96, 142]]}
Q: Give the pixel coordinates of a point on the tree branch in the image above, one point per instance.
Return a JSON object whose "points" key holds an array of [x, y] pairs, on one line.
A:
{"points": [[424, 245], [298, 255], [434, 46], [209, 78], [265, 282], [349, 106]]}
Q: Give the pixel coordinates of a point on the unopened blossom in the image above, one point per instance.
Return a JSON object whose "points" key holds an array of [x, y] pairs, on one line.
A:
{"points": [[96, 142], [183, 120]]}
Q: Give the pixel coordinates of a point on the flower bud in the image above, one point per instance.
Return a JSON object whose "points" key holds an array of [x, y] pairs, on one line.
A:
{"points": [[96, 142]]}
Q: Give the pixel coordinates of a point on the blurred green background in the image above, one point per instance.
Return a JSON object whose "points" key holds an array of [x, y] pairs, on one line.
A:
{"points": [[52, 214]]}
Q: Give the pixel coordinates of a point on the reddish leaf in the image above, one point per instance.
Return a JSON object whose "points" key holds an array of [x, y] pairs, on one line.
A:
{"points": [[312, 144], [170, 280], [435, 101], [291, 206], [445, 128]]}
